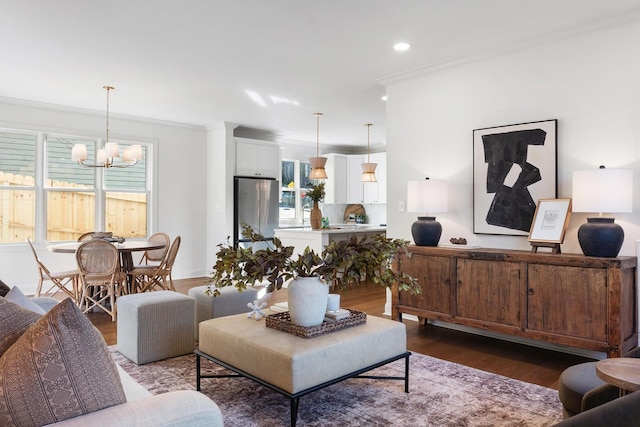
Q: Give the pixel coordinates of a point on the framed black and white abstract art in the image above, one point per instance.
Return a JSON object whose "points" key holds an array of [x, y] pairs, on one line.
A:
{"points": [[514, 166]]}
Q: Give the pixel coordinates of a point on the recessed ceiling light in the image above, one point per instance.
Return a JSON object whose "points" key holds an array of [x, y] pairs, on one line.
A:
{"points": [[401, 47], [384, 97]]}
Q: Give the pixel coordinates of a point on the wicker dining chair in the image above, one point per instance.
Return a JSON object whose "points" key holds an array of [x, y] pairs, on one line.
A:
{"points": [[151, 277], [156, 256], [100, 276], [60, 281], [85, 236]]}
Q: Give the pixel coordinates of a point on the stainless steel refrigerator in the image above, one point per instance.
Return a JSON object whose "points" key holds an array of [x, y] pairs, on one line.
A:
{"points": [[255, 202]]}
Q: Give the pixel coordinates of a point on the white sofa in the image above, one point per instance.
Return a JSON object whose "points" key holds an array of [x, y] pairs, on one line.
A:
{"points": [[142, 409], [176, 408]]}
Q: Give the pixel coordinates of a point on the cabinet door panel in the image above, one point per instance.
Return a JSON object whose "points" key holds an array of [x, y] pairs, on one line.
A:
{"points": [[246, 159], [568, 300], [354, 182], [336, 183], [489, 291], [432, 273]]}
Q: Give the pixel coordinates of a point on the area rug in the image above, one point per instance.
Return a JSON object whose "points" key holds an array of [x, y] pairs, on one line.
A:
{"points": [[440, 394]]}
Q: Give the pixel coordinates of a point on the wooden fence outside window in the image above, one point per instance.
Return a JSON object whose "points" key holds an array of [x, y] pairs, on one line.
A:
{"points": [[70, 213]]}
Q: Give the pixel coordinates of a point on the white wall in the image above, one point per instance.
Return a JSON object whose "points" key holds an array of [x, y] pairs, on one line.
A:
{"points": [[590, 83], [180, 170]]}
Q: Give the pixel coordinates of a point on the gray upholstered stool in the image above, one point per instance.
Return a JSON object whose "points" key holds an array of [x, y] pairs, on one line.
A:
{"points": [[580, 389], [230, 301], [155, 325]]}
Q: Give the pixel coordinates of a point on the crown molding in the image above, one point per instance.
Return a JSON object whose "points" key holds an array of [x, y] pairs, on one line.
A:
{"points": [[630, 17]]}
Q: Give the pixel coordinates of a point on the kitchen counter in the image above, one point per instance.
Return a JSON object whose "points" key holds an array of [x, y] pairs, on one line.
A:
{"points": [[300, 238]]}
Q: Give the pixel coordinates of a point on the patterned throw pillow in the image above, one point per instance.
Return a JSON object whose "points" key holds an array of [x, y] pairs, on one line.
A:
{"points": [[59, 368], [4, 288], [16, 296], [14, 321]]}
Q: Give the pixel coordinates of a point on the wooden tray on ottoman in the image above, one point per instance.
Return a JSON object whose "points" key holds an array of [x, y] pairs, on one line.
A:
{"points": [[282, 322]]}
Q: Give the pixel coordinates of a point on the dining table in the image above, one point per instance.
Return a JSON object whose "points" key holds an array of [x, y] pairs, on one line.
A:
{"points": [[125, 249]]}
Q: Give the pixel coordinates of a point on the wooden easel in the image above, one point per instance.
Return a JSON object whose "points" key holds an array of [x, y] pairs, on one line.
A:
{"points": [[555, 247]]}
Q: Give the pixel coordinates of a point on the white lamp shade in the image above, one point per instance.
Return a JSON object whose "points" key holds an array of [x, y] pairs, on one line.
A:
{"points": [[427, 196], [112, 149], [127, 155], [101, 156], [79, 152], [603, 191], [136, 151]]}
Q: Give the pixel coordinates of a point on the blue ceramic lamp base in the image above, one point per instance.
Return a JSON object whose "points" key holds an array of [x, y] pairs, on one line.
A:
{"points": [[600, 237], [426, 231]]}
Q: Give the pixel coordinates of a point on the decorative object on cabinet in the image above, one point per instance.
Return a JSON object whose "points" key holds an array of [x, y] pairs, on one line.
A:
{"points": [[458, 241], [105, 158], [550, 224], [602, 190], [317, 163], [351, 211], [316, 194], [565, 299], [428, 196], [368, 168], [343, 263], [507, 160]]}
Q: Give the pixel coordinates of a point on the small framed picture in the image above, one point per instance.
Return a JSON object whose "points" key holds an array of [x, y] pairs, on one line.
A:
{"points": [[550, 221]]}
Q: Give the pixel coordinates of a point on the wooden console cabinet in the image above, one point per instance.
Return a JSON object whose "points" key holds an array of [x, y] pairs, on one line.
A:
{"points": [[566, 299]]}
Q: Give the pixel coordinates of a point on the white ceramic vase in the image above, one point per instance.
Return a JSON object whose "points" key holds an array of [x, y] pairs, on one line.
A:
{"points": [[307, 300]]}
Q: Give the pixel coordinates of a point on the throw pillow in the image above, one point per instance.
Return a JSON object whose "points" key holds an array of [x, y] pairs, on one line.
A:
{"points": [[16, 296], [14, 321], [3, 288], [58, 369]]}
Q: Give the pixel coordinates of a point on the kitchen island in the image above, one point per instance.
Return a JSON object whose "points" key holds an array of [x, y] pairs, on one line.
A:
{"points": [[300, 238]]}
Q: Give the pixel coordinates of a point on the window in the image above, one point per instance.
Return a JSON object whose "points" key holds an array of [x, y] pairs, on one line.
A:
{"points": [[295, 206], [60, 200], [17, 186]]}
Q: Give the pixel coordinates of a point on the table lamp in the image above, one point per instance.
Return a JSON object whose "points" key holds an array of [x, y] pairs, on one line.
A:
{"points": [[604, 191], [427, 196]]}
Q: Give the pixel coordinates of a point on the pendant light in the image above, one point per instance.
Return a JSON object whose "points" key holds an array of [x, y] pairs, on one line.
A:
{"points": [[317, 163], [369, 169], [105, 157]]}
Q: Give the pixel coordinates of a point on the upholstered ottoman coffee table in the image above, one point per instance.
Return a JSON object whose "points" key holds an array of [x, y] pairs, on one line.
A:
{"points": [[295, 366]]}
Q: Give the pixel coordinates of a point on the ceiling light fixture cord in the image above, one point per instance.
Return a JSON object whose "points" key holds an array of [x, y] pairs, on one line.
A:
{"points": [[317, 133], [317, 163], [108, 88], [368, 125]]}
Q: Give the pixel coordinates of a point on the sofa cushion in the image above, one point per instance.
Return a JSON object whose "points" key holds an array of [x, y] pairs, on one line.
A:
{"points": [[14, 321], [4, 288], [58, 369], [16, 296]]}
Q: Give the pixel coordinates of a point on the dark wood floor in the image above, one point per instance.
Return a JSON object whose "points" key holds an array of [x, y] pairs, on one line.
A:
{"points": [[525, 363]]}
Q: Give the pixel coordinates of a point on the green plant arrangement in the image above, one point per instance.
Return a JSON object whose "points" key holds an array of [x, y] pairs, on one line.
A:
{"points": [[344, 263], [317, 192]]}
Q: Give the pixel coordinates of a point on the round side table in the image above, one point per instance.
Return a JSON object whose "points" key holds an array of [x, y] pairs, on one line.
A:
{"points": [[622, 372]]}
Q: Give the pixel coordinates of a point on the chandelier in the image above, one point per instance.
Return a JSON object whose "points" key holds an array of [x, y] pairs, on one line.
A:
{"points": [[369, 169], [317, 163], [105, 157]]}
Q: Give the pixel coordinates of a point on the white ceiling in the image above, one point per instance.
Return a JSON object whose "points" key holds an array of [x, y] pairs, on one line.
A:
{"points": [[193, 61]]}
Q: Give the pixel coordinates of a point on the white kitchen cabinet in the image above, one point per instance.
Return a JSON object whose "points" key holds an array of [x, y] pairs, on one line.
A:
{"points": [[257, 160], [354, 182], [376, 192], [336, 183]]}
